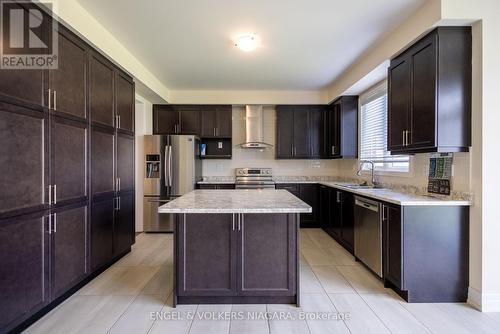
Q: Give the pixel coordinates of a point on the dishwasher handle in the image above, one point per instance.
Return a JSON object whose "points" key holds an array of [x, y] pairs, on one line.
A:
{"points": [[373, 206]]}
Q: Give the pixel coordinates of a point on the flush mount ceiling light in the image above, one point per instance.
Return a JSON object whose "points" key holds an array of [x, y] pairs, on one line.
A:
{"points": [[247, 43]]}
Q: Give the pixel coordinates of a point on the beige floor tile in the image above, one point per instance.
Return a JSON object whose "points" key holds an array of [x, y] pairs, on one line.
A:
{"points": [[247, 320], [332, 280], [306, 241], [105, 279], [321, 314], [362, 280], [174, 320], [83, 314], [129, 281], [318, 256], [342, 257], [204, 322], [308, 281], [362, 319], [161, 283], [138, 318], [393, 314], [321, 238]]}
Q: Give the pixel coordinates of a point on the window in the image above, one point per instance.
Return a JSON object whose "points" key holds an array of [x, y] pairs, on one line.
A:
{"points": [[374, 132]]}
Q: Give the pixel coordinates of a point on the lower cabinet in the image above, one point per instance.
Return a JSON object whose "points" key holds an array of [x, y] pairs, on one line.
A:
{"points": [[337, 215], [308, 192], [101, 232], [223, 257], [215, 186], [124, 223], [43, 255], [392, 240], [69, 240]]}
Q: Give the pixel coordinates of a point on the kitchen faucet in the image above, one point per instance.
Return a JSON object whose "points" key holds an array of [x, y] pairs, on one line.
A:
{"points": [[360, 169]]}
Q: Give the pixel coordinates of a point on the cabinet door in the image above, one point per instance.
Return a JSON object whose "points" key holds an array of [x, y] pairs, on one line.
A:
{"points": [[165, 120], [347, 199], [23, 162], [69, 159], [284, 129], [207, 186], [291, 187], [334, 128], [301, 133], [423, 90], [209, 121], [101, 91], [399, 103], [25, 86], [69, 258], [336, 214], [124, 224], [324, 206], [102, 156], [317, 126], [24, 270], [101, 232], [189, 120], [226, 186], [125, 162], [207, 260], [393, 261], [225, 121], [68, 82], [266, 253], [309, 194], [125, 101]]}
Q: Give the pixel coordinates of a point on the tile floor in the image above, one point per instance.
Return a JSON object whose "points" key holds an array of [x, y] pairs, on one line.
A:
{"points": [[122, 298]]}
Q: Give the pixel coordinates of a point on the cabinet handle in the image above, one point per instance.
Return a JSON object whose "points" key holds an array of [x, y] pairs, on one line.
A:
{"points": [[404, 137], [384, 216], [339, 194], [49, 91], [55, 222], [55, 193], [233, 222], [50, 194], [215, 132], [407, 137], [119, 203], [50, 224], [119, 121], [55, 100]]}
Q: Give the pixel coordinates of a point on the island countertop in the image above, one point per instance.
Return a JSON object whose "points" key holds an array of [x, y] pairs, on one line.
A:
{"points": [[236, 201]]}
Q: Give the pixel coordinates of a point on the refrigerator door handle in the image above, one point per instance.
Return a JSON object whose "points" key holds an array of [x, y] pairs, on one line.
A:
{"points": [[170, 166], [165, 164]]}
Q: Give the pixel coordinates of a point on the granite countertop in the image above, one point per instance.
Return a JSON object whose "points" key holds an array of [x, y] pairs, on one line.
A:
{"points": [[399, 198], [236, 201], [216, 182]]}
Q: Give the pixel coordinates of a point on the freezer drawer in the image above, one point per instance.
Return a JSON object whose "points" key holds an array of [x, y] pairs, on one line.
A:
{"points": [[154, 221]]}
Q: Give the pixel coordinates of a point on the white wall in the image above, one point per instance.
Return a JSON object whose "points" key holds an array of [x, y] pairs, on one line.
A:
{"points": [[254, 158], [143, 126]]}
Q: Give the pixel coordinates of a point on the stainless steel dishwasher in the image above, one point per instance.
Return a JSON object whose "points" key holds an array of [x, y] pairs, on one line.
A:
{"points": [[368, 233]]}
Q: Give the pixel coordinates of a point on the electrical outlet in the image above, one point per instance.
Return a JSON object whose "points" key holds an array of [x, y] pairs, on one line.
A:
{"points": [[220, 145]]}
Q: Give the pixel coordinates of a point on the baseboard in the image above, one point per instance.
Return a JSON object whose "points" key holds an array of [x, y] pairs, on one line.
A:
{"points": [[484, 302]]}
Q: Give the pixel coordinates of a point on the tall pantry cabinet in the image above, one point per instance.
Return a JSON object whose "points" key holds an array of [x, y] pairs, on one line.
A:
{"points": [[66, 174]]}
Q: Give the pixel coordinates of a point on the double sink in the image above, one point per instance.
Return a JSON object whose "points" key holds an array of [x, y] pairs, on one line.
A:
{"points": [[359, 186]]}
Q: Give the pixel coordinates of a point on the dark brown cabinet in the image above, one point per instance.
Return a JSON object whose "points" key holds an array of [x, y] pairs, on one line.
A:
{"points": [[189, 120], [69, 232], [101, 90], [102, 160], [68, 83], [233, 257], [300, 132], [125, 162], [342, 129], [429, 93], [165, 120], [214, 186], [176, 119], [24, 270], [216, 122], [124, 223], [125, 102], [23, 164], [210, 245], [266, 239], [392, 237], [101, 232], [337, 215], [309, 193], [68, 161]]}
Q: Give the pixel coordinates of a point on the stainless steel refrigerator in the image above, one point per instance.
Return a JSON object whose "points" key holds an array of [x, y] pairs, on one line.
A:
{"points": [[172, 168]]}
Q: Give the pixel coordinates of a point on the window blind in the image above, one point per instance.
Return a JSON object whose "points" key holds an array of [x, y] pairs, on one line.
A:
{"points": [[374, 131]]}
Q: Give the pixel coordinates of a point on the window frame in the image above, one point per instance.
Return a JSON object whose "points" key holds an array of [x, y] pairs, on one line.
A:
{"points": [[378, 171]]}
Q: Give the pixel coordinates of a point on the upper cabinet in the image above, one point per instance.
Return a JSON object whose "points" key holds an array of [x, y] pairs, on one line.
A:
{"points": [[430, 94], [101, 90], [217, 121], [176, 119], [300, 132], [125, 102], [342, 128]]}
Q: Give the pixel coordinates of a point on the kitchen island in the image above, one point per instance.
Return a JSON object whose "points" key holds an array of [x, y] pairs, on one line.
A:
{"points": [[236, 246]]}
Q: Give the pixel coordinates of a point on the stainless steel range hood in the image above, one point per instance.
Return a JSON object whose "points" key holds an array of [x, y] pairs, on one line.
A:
{"points": [[254, 118]]}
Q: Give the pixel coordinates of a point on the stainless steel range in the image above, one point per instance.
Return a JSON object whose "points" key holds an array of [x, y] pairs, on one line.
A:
{"points": [[254, 178]]}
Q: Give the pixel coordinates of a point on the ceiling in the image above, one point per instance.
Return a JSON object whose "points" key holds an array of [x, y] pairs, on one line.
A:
{"points": [[306, 44]]}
